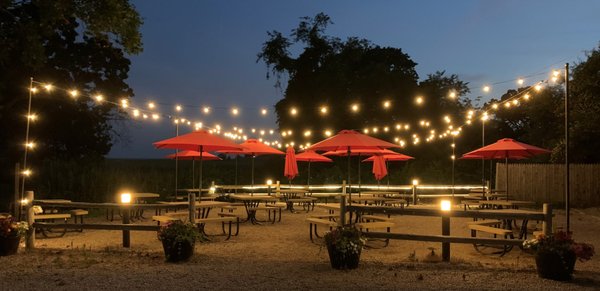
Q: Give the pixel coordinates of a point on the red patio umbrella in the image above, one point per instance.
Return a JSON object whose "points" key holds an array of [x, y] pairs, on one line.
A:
{"points": [[349, 140], [290, 170], [253, 147], [379, 168], [506, 148], [310, 157], [192, 155], [393, 157], [201, 141]]}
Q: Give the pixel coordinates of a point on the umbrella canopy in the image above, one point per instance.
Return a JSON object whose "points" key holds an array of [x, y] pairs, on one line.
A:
{"points": [[391, 157], [311, 156], [193, 155], [200, 140], [359, 152], [506, 148], [253, 147], [349, 140], [379, 169], [291, 167]]}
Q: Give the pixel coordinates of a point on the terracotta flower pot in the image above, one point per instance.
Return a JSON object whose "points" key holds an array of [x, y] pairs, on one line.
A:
{"points": [[551, 265], [9, 245], [177, 251], [341, 260]]}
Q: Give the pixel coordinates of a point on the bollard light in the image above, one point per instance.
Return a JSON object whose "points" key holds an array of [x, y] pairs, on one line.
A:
{"points": [[24, 201], [125, 198], [415, 182], [269, 182], [212, 190], [446, 205]]}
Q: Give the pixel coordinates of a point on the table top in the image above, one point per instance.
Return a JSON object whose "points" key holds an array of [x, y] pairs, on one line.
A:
{"points": [[290, 191], [507, 202], [515, 211], [248, 197], [329, 206], [386, 192], [363, 198], [53, 200], [145, 195], [203, 204]]}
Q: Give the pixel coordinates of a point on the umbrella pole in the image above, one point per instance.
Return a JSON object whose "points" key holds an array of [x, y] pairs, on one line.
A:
{"points": [[193, 174], [506, 170], [387, 165], [252, 189], [236, 173], [349, 183], [359, 182], [176, 166], [308, 177], [200, 176]]}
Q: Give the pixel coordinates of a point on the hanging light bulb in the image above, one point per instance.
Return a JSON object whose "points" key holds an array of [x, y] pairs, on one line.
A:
{"points": [[293, 111], [48, 87], [486, 88], [324, 110], [419, 100], [178, 108], [206, 110], [235, 111], [520, 81], [151, 105], [74, 93], [263, 111], [99, 98], [355, 107]]}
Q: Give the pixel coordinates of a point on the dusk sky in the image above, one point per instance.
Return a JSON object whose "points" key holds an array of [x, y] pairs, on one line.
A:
{"points": [[199, 53]]}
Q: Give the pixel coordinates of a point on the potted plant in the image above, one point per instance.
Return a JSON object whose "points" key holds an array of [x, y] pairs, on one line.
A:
{"points": [[555, 254], [344, 245], [178, 239], [11, 233]]}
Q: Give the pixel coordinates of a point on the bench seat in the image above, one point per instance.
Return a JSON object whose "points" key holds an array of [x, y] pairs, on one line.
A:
{"points": [[312, 226], [493, 230]]}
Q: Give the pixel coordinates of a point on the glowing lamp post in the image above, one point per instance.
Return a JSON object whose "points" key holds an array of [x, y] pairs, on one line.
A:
{"points": [[269, 183], [446, 206], [126, 200], [415, 183]]}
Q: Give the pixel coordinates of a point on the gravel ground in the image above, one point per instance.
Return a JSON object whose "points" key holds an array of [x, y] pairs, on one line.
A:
{"points": [[281, 256]]}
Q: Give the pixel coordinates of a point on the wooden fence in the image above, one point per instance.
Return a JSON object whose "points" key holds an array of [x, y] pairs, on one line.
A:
{"points": [[546, 183]]}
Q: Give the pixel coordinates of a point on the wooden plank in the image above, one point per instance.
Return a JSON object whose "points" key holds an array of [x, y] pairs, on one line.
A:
{"points": [[497, 214], [137, 227], [443, 238]]}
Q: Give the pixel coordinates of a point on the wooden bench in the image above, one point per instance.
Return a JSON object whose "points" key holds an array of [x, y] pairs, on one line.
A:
{"points": [[376, 225], [331, 217], [492, 222], [312, 221], [165, 218], [78, 213], [308, 203], [368, 218], [52, 217], [201, 222], [504, 233]]}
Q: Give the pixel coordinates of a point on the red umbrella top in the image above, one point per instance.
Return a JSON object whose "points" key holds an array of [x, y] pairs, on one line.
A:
{"points": [[193, 155], [193, 141], [379, 169], [362, 152], [291, 167], [507, 148], [254, 147], [312, 156], [350, 139], [469, 156], [391, 157]]}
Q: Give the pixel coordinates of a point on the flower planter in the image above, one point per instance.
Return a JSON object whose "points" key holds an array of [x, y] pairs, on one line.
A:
{"points": [[177, 251], [551, 265], [341, 260], [9, 245]]}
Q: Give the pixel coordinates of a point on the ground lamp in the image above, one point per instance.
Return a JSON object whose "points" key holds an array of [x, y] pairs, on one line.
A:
{"points": [[126, 199], [415, 183], [445, 207]]}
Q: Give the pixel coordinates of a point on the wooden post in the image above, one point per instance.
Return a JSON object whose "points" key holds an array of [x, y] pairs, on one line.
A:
{"points": [[445, 231], [414, 192], [126, 210], [343, 204], [277, 187], [16, 209], [547, 224], [30, 238], [192, 207]]}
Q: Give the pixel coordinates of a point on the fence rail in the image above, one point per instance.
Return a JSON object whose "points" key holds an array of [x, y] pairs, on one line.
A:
{"points": [[546, 183]]}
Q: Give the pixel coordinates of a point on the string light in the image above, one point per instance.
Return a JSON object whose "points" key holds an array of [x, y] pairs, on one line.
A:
{"points": [[452, 94], [124, 103], [178, 108], [34, 90], [486, 89], [26, 173], [32, 117], [520, 81], [99, 98], [386, 104], [30, 145], [293, 111], [74, 93], [355, 107], [151, 105], [263, 111], [48, 87], [328, 133], [206, 110], [235, 111], [324, 110], [419, 100]]}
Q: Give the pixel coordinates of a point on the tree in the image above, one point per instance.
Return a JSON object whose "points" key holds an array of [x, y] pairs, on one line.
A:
{"points": [[79, 43], [336, 74]]}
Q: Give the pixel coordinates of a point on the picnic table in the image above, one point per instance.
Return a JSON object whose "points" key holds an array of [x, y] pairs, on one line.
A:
{"points": [[252, 204], [499, 204], [292, 196]]}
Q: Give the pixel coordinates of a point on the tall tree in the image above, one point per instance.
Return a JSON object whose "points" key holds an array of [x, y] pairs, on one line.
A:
{"points": [[78, 43]]}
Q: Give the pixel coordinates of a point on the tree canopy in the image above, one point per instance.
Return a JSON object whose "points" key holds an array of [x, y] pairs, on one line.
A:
{"points": [[79, 43]]}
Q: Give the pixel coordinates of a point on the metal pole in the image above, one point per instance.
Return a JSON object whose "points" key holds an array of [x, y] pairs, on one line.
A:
{"points": [[200, 175], [567, 188], [176, 160], [26, 141], [349, 183], [16, 207], [482, 159], [252, 189], [453, 160], [30, 238], [126, 233], [343, 205]]}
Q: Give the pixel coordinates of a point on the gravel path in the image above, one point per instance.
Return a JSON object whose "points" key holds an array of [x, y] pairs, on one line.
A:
{"points": [[280, 256]]}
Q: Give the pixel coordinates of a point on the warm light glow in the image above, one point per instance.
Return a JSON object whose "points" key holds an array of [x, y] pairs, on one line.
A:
{"points": [[269, 182], [484, 117], [386, 104], [495, 106], [507, 104], [33, 90], [446, 205], [30, 145], [419, 100], [486, 88], [415, 182], [156, 116], [402, 143], [145, 116], [324, 110], [289, 132], [99, 98], [48, 87], [293, 111], [74, 93], [271, 131], [151, 105], [520, 81], [526, 97], [206, 110], [24, 201], [26, 173], [136, 113], [407, 126], [452, 94], [125, 198], [235, 111], [327, 133], [355, 107], [555, 73], [386, 129], [375, 129], [178, 108], [515, 102], [32, 117], [124, 103], [263, 111], [447, 119], [366, 131], [538, 87], [452, 145], [262, 132], [452, 157], [307, 133], [283, 134]]}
